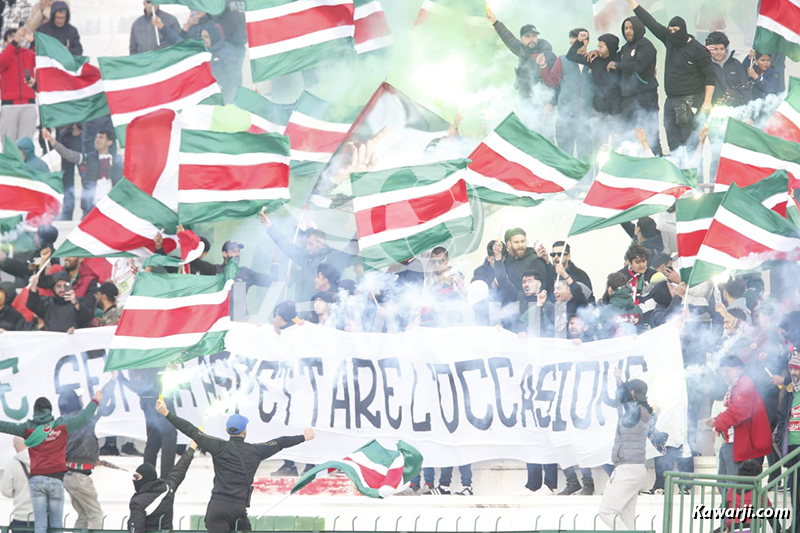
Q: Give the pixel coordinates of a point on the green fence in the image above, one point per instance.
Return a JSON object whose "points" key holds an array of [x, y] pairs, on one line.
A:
{"points": [[702, 500]]}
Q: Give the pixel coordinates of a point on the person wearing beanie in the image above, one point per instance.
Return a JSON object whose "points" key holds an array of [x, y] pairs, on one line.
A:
{"points": [[607, 97], [787, 431], [107, 302], [235, 465], [533, 52], [628, 453], [46, 438], [732, 88], [744, 423], [62, 311], [83, 455], [151, 490], [689, 78]]}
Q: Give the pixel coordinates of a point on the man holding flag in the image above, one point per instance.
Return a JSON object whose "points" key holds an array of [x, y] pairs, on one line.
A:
{"points": [[235, 466]]}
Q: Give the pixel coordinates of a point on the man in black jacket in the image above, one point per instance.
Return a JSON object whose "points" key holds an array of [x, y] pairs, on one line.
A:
{"points": [[235, 466], [607, 92], [61, 312], [59, 28], [151, 489], [689, 78], [522, 258], [637, 62], [560, 255], [533, 53], [10, 318], [733, 87]]}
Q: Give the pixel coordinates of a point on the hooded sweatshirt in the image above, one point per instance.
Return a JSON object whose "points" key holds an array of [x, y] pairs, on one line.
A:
{"points": [[224, 66], [151, 507], [687, 67], [14, 484], [620, 312], [637, 61], [10, 318], [607, 91], [48, 457], [25, 145], [68, 34]]}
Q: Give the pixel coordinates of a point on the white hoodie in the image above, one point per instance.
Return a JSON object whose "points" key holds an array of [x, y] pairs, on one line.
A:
{"points": [[14, 484]]}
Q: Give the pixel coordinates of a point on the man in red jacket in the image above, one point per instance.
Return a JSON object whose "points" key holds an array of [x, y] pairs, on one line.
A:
{"points": [[46, 438], [17, 74], [743, 423]]}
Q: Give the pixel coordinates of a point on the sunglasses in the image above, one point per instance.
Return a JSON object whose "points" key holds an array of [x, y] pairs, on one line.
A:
{"points": [[555, 254]]}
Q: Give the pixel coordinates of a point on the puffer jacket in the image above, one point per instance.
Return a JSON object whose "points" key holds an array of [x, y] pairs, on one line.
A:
{"points": [[14, 61]]}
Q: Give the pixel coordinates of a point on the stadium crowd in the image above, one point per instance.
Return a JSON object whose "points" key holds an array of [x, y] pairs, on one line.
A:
{"points": [[738, 339]]}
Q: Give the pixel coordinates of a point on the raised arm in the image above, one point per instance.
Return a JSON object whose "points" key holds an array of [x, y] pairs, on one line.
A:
{"points": [[297, 253], [178, 473], [268, 449], [81, 419], [656, 28], [511, 42], [574, 56], [208, 443]]}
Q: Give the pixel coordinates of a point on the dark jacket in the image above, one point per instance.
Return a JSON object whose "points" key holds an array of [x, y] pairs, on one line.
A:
{"points": [[666, 305], [511, 294], [226, 68], [25, 145], [161, 494], [528, 71], [530, 261], [575, 273], [85, 285], [91, 162], [768, 82], [781, 434], [14, 61], [733, 86], [10, 318], [619, 312], [654, 244], [607, 91], [67, 35], [637, 61], [233, 22], [687, 66], [235, 461], [82, 446], [49, 457], [143, 33], [59, 314]]}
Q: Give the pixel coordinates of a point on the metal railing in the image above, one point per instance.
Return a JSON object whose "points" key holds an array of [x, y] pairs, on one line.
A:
{"points": [[703, 506]]}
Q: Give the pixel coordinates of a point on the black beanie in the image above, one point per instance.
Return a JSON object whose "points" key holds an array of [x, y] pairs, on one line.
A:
{"points": [[148, 473]]}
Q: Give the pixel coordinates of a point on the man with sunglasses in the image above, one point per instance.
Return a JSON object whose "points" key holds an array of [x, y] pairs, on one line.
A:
{"points": [[559, 263]]}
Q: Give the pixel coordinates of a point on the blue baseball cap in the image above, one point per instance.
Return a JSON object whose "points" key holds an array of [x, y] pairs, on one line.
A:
{"points": [[236, 424]]}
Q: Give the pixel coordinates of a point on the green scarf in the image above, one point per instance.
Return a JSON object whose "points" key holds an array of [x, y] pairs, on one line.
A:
{"points": [[39, 435]]}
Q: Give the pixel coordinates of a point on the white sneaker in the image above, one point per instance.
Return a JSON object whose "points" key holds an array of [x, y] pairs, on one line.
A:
{"points": [[544, 491]]}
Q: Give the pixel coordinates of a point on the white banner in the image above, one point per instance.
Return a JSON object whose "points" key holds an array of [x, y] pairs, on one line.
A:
{"points": [[460, 395]]}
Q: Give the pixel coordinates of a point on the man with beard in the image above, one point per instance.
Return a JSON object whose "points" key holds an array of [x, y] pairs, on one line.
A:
{"points": [[560, 255], [522, 258], [637, 63], [62, 312], [534, 54], [83, 280], [689, 78]]}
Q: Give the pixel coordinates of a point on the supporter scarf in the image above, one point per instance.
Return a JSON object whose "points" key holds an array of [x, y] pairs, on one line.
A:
{"points": [[637, 285], [39, 435]]}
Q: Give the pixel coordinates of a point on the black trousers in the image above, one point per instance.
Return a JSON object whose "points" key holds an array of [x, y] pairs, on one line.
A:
{"points": [[224, 517]]}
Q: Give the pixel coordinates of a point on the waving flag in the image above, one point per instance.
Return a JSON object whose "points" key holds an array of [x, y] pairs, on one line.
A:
{"points": [[629, 188], [25, 192], [749, 155], [285, 36], [785, 122], [173, 78], [744, 236], [69, 88], [171, 318], [230, 175], [371, 27], [316, 128], [516, 166], [403, 212], [122, 224], [778, 28], [376, 471], [265, 115], [211, 7]]}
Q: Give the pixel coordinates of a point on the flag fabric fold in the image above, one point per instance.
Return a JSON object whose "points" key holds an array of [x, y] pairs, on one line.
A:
{"points": [[24, 192], [376, 471], [403, 212], [371, 27], [778, 28], [171, 318], [122, 224], [628, 188], [515, 165], [210, 7], [191, 248], [173, 78], [70, 89], [785, 121], [744, 236], [286, 36], [265, 115]]}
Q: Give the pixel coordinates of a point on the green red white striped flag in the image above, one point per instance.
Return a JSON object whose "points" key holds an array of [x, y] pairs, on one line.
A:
{"points": [[70, 90], [785, 122], [265, 115], [371, 27], [744, 236], [778, 28], [173, 78], [171, 318], [230, 175], [25, 192], [376, 471], [122, 224], [749, 155], [516, 166], [191, 248], [211, 7], [316, 129], [286, 36], [403, 212], [694, 215], [629, 188]]}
